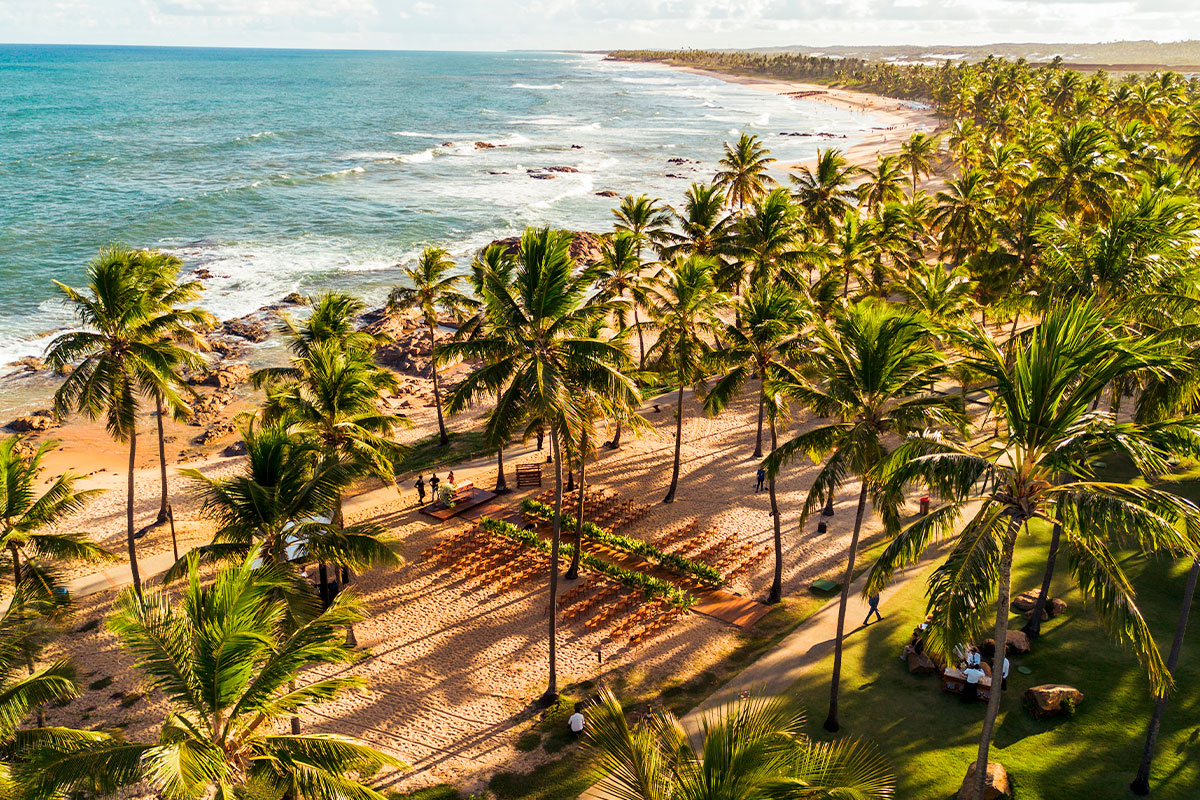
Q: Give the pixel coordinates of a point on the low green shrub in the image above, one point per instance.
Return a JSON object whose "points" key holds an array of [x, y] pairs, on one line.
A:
{"points": [[650, 585]]}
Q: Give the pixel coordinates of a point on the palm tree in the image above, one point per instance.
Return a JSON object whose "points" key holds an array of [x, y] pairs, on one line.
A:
{"points": [[22, 635], [646, 219], [224, 662], [684, 304], [539, 360], [162, 276], [1141, 783], [1043, 392], [877, 365], [964, 214], [30, 523], [944, 295], [704, 227], [618, 275], [827, 193], [433, 287], [883, 184], [773, 317], [770, 237], [852, 248], [918, 154], [123, 353], [333, 318], [1077, 171], [752, 750], [743, 170]]}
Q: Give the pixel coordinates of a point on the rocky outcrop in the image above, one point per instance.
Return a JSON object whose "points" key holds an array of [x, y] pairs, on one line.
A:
{"points": [[216, 431], [29, 364], [227, 376], [253, 330], [32, 423], [1051, 699], [996, 784], [238, 448], [585, 246], [607, 193]]}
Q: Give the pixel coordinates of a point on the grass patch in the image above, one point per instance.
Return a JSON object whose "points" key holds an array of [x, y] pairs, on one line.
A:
{"points": [[429, 455], [565, 777], [442, 791], [101, 683], [930, 737], [528, 741]]}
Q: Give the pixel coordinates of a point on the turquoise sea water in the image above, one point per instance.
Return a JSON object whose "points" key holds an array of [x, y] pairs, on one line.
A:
{"points": [[301, 170]]}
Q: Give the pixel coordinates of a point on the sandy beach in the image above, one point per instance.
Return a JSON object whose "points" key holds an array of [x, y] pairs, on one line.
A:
{"points": [[896, 119]]}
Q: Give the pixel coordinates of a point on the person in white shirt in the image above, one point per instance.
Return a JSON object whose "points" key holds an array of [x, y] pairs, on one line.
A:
{"points": [[973, 674], [974, 658], [1004, 676], [576, 721]]}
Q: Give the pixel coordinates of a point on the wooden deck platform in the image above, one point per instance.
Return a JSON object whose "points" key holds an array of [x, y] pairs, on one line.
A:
{"points": [[477, 497]]}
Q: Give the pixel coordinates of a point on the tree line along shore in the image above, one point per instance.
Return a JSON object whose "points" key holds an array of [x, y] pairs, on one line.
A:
{"points": [[990, 345]]}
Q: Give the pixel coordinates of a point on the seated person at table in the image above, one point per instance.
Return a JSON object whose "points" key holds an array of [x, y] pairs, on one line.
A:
{"points": [[973, 675]]}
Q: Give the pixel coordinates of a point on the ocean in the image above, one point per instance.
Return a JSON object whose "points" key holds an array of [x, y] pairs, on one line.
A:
{"points": [[280, 171]]}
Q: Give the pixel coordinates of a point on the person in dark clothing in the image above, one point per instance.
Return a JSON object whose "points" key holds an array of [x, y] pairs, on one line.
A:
{"points": [[973, 676], [434, 480], [421, 490], [873, 601], [759, 479]]}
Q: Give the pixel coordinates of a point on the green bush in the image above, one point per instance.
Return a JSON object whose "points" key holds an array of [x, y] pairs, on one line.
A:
{"points": [[650, 585], [670, 561]]}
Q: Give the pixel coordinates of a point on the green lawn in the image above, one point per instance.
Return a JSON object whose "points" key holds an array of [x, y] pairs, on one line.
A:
{"points": [[428, 454], [930, 737]]}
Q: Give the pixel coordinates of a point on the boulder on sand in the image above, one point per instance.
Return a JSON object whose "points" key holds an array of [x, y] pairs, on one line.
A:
{"points": [[1050, 699], [32, 423], [227, 375], [995, 786]]}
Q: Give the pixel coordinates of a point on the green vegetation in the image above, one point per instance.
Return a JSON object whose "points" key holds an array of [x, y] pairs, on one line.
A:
{"points": [[1092, 754], [430, 455]]}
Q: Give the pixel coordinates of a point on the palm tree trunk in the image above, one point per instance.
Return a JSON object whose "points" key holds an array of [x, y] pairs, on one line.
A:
{"points": [[1000, 637], [616, 440], [670, 498], [339, 522], [573, 571], [777, 586], [641, 341], [831, 721], [295, 717], [323, 573], [162, 466], [1141, 784], [762, 402], [551, 693], [133, 565], [443, 437], [1033, 629], [15, 553], [501, 483]]}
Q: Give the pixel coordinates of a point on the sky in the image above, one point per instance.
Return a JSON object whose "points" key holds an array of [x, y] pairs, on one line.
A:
{"points": [[590, 24]]}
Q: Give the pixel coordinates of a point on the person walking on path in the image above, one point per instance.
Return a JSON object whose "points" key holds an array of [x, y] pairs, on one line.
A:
{"points": [[873, 602], [420, 490], [759, 479]]}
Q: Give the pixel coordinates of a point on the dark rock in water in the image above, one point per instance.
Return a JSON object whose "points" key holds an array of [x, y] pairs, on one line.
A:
{"points": [[29, 363], [561, 169], [496, 172], [673, 175], [607, 193], [447, 144], [201, 274], [541, 176], [576, 147], [293, 299], [487, 146], [254, 331], [585, 246], [227, 348], [682, 161]]}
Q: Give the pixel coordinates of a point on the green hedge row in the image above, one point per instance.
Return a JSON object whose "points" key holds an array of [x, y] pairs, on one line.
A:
{"points": [[650, 585], [686, 566]]}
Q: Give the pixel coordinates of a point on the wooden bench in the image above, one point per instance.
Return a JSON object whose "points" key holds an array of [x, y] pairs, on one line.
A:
{"points": [[529, 475]]}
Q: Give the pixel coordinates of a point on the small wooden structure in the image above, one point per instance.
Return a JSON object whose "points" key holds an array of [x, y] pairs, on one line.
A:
{"points": [[529, 475], [954, 681], [466, 496]]}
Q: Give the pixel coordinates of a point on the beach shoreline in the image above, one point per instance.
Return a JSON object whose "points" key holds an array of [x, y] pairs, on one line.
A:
{"points": [[898, 119]]}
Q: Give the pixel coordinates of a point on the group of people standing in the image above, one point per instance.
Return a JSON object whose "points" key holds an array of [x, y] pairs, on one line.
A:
{"points": [[434, 480]]}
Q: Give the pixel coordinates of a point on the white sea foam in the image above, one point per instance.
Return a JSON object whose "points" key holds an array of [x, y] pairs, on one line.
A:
{"points": [[414, 134], [259, 135], [540, 86]]}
